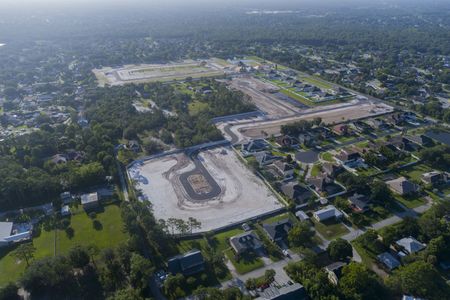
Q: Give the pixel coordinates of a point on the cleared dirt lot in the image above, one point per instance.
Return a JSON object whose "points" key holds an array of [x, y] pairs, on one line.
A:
{"points": [[329, 116], [243, 194], [157, 72], [267, 102]]}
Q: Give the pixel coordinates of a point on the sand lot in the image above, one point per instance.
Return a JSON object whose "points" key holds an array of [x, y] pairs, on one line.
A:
{"points": [[262, 98], [243, 195]]}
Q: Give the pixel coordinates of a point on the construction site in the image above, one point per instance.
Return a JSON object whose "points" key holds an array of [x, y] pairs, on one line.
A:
{"points": [[160, 72], [213, 186]]}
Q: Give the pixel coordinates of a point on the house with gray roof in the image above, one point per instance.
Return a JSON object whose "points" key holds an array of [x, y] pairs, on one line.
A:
{"points": [[388, 260], [409, 245], [296, 192], [279, 230], [247, 241], [12, 233], [187, 264]]}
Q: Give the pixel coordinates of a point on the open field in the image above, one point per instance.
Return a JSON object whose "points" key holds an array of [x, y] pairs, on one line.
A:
{"points": [[159, 72], [242, 195], [109, 234]]}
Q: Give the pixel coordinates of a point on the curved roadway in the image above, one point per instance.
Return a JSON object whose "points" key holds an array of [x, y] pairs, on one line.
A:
{"points": [[199, 170]]}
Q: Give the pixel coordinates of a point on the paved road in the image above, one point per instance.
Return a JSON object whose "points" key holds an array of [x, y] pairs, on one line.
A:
{"points": [[199, 170]]}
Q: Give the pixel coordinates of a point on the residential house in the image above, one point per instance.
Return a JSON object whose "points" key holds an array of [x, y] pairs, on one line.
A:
{"points": [[434, 177], [319, 183], [388, 260], [133, 145], [359, 203], [295, 291], [329, 212], [305, 139], [421, 140], [12, 233], [334, 271], [90, 201], [341, 129], [245, 242], [65, 210], [59, 159], [376, 124], [302, 216], [402, 186], [395, 118], [408, 245], [66, 197], [348, 157], [265, 158], [278, 231], [187, 264], [331, 169], [285, 141], [254, 146], [296, 192], [285, 169]]}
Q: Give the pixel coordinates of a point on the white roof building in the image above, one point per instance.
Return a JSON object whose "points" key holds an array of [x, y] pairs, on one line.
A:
{"points": [[327, 213], [10, 233]]}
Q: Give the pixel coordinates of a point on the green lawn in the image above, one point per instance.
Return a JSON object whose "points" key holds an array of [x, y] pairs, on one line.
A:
{"points": [[109, 234], [195, 107], [220, 241], [316, 169], [187, 245], [317, 82], [327, 156], [276, 218], [330, 230], [246, 263], [415, 172], [410, 201]]}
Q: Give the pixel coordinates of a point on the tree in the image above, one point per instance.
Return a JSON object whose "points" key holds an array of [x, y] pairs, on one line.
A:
{"points": [[79, 257], [340, 249], [419, 279], [127, 294], [25, 252], [173, 286], [193, 223], [140, 271], [300, 234], [359, 283], [269, 275], [380, 193], [51, 275], [9, 292]]}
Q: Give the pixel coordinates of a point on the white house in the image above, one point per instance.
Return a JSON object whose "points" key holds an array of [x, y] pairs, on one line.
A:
{"points": [[327, 213]]}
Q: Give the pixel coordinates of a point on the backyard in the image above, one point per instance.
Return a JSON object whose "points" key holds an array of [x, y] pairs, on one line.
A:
{"points": [[109, 232], [331, 229]]}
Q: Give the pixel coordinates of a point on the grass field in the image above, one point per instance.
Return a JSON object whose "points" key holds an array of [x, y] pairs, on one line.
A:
{"points": [[109, 234], [195, 107], [220, 240], [415, 172], [327, 156], [330, 230], [316, 169], [410, 201], [246, 263]]}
